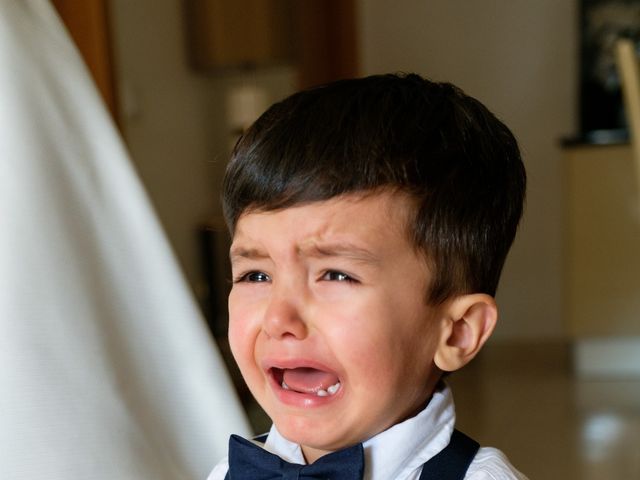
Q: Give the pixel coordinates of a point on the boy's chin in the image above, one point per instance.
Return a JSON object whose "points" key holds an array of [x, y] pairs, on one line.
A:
{"points": [[311, 436]]}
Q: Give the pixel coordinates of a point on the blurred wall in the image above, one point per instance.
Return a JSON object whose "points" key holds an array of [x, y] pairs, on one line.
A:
{"points": [[174, 120], [520, 58]]}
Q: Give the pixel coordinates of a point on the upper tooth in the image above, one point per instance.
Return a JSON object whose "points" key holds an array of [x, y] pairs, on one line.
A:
{"points": [[322, 393]]}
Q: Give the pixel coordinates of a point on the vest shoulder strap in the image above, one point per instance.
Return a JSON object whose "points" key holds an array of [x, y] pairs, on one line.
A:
{"points": [[453, 461]]}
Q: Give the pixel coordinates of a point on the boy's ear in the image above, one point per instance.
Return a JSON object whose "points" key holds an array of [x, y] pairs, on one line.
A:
{"points": [[467, 323]]}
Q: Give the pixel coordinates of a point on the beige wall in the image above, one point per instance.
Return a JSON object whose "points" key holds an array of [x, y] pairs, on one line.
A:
{"points": [[520, 58], [174, 119]]}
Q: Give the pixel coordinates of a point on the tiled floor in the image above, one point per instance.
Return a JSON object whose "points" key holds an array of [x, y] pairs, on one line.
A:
{"points": [[524, 400]]}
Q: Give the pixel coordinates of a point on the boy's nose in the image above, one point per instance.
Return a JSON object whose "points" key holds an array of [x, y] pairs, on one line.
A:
{"points": [[283, 317]]}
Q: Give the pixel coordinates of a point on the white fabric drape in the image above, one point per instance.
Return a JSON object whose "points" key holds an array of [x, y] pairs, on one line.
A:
{"points": [[106, 368]]}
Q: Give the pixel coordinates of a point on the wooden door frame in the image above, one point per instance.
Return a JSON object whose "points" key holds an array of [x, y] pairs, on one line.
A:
{"points": [[88, 24]]}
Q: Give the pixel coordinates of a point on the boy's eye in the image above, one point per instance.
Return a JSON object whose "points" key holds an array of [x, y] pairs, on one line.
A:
{"points": [[254, 277], [334, 276]]}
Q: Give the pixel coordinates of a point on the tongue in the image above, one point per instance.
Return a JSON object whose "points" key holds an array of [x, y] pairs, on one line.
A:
{"points": [[308, 380]]}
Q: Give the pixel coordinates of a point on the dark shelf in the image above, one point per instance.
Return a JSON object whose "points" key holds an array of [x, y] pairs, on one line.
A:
{"points": [[597, 138]]}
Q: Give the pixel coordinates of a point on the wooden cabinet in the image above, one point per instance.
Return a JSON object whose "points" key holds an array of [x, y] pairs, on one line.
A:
{"points": [[226, 33], [318, 37]]}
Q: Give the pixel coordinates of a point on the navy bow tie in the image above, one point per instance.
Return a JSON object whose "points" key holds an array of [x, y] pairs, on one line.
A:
{"points": [[248, 461]]}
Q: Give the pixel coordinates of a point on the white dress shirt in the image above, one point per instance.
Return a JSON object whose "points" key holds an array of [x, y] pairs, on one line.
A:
{"points": [[399, 452]]}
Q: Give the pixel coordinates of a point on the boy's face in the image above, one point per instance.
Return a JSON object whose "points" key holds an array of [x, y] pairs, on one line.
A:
{"points": [[328, 318]]}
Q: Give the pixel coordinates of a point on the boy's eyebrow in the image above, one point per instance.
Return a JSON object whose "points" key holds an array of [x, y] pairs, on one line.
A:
{"points": [[250, 253]]}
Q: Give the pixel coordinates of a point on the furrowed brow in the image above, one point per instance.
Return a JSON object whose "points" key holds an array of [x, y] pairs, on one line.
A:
{"points": [[345, 250]]}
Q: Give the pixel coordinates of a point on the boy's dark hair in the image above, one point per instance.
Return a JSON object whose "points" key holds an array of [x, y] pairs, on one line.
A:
{"points": [[456, 160]]}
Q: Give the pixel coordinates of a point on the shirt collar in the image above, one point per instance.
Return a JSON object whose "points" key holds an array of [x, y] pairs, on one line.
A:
{"points": [[417, 440]]}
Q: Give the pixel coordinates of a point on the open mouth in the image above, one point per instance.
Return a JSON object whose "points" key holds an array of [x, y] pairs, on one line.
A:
{"points": [[306, 380]]}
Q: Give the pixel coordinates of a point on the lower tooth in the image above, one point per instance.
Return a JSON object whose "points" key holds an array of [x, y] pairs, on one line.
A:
{"points": [[329, 391], [285, 386], [333, 388]]}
